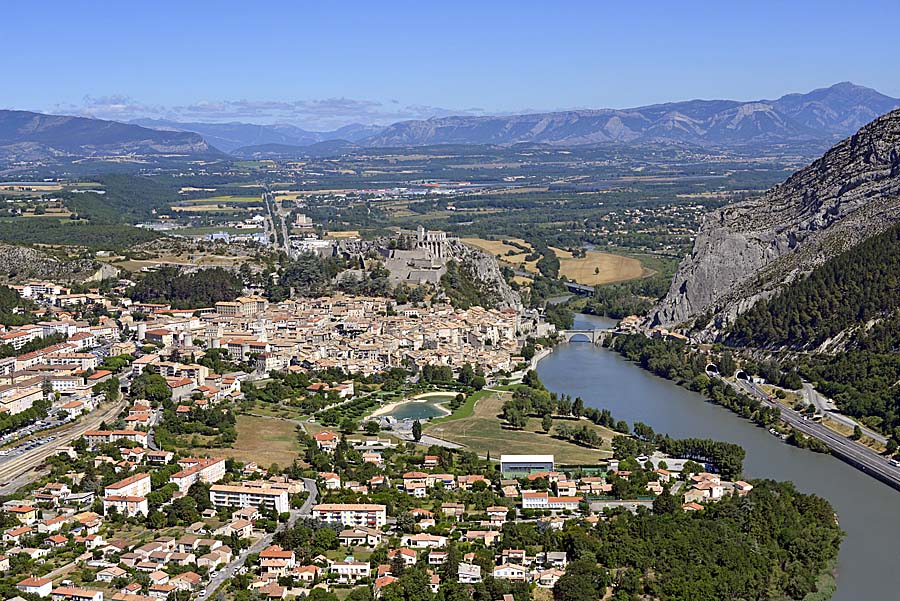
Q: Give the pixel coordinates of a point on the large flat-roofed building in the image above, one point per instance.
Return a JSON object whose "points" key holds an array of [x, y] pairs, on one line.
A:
{"points": [[352, 514], [223, 495], [526, 464]]}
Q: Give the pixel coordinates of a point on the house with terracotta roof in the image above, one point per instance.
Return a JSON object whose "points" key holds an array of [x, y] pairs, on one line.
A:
{"points": [[41, 587], [326, 441]]}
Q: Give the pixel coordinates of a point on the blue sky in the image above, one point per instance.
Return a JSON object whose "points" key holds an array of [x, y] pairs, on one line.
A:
{"points": [[330, 63]]}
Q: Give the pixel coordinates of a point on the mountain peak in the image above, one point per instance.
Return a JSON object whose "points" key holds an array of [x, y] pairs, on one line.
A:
{"points": [[748, 251], [824, 115]]}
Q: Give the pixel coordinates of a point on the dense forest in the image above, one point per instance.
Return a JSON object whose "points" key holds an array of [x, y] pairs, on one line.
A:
{"points": [[636, 297], [770, 544], [853, 288], [202, 288], [126, 199], [98, 236]]}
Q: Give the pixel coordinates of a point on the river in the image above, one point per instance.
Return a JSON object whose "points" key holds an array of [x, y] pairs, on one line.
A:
{"points": [[869, 562]]}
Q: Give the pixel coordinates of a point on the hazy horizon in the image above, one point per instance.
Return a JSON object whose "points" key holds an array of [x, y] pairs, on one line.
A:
{"points": [[319, 69]]}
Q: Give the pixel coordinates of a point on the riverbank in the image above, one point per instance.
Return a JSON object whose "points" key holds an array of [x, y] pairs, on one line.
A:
{"points": [[866, 567]]}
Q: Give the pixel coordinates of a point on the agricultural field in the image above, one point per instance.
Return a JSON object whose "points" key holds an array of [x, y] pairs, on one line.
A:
{"points": [[483, 432], [342, 235], [597, 267], [228, 199], [500, 249]]}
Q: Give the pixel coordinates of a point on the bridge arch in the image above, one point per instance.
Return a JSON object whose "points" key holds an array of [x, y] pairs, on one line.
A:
{"points": [[595, 336]]}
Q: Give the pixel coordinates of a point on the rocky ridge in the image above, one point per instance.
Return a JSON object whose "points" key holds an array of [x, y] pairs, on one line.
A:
{"points": [[20, 263], [748, 251]]}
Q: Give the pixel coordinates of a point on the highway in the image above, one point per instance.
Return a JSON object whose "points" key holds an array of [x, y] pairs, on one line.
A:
{"points": [[850, 451], [826, 407], [229, 570], [19, 470]]}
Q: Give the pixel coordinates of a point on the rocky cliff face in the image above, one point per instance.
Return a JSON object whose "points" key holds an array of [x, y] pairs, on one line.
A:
{"points": [[19, 264], [747, 251], [486, 269]]}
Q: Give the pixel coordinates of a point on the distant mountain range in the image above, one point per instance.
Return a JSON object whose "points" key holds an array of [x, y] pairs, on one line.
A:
{"points": [[821, 117], [35, 136], [824, 114], [231, 136]]}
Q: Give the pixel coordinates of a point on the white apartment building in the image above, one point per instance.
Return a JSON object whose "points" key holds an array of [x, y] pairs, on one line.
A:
{"points": [[206, 470], [137, 485], [352, 514], [246, 496]]}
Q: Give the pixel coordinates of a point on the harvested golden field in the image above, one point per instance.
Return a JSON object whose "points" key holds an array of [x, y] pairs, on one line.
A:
{"points": [[499, 249], [599, 267], [342, 235], [228, 199]]}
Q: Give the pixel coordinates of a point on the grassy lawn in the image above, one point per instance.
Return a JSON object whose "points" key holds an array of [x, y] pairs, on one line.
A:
{"points": [[847, 431], [262, 440], [465, 410], [273, 410], [480, 429]]}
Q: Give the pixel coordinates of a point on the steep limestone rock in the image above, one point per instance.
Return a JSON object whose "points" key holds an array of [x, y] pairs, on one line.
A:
{"points": [[747, 251]]}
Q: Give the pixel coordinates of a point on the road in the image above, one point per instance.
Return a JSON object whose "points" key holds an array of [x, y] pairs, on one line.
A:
{"points": [[827, 407], [19, 470], [854, 453], [273, 221], [229, 570]]}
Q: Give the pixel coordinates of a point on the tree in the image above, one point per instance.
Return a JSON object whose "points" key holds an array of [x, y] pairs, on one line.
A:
{"points": [[578, 407], [547, 422], [417, 430], [691, 467], [727, 365], [665, 503], [857, 433], [372, 427], [348, 425], [152, 387], [891, 446], [583, 581]]}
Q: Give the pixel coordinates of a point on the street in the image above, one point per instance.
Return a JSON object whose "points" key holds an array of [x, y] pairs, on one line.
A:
{"points": [[230, 569], [17, 471], [826, 407]]}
